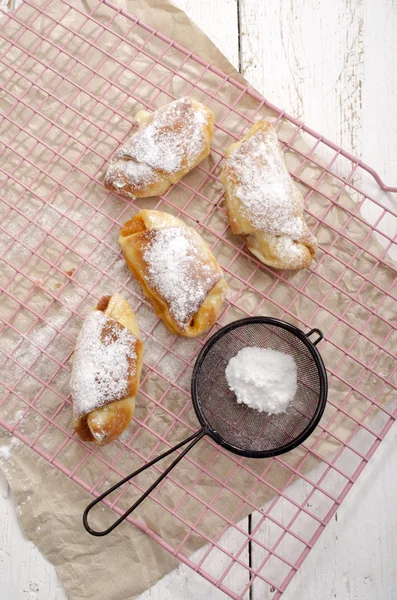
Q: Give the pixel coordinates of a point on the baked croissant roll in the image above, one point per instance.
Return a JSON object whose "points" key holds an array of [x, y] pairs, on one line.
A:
{"points": [[176, 269], [263, 202], [169, 143], [106, 371]]}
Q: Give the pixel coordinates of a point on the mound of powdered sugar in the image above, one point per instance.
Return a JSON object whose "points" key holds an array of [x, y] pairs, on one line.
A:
{"points": [[172, 140], [178, 269], [102, 363], [263, 379]]}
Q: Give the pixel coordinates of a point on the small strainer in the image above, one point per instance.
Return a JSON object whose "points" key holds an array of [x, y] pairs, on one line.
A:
{"points": [[237, 427]]}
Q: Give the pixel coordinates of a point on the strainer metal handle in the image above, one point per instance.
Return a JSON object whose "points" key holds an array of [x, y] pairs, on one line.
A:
{"points": [[214, 431], [319, 333], [193, 439]]}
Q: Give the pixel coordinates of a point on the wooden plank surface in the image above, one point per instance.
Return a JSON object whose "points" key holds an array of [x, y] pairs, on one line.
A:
{"points": [[219, 20], [332, 64]]}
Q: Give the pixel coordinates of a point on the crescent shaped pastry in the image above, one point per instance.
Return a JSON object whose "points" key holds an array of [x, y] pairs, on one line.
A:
{"points": [[106, 371], [176, 270], [263, 202], [169, 143]]}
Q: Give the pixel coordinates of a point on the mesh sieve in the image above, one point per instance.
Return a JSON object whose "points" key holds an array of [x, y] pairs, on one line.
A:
{"points": [[237, 427]]}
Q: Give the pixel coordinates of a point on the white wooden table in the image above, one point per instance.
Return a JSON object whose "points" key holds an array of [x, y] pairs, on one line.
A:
{"points": [[332, 64]]}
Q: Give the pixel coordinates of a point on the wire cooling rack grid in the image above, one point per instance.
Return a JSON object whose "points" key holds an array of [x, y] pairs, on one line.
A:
{"points": [[68, 96]]}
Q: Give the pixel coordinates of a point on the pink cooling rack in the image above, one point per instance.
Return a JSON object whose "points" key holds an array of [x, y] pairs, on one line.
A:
{"points": [[70, 82]]}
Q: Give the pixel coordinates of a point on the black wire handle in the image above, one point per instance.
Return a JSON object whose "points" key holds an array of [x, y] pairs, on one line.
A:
{"points": [[319, 333], [193, 439]]}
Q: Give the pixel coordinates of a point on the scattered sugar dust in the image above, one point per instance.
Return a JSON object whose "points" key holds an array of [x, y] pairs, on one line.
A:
{"points": [[6, 450]]}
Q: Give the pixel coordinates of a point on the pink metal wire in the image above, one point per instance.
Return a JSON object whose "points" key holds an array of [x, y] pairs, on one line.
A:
{"points": [[327, 477]]}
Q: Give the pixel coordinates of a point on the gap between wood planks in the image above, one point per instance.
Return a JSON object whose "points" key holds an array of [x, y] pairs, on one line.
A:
{"points": [[240, 58], [240, 68]]}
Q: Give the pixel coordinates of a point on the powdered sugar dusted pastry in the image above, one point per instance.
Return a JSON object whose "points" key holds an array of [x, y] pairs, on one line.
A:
{"points": [[169, 143], [176, 270], [106, 370], [263, 202]]}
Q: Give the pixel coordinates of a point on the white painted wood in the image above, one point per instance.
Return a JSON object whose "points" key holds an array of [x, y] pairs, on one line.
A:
{"points": [[24, 573], [355, 557], [379, 91], [218, 19], [331, 64], [185, 583], [334, 65], [353, 560], [307, 58]]}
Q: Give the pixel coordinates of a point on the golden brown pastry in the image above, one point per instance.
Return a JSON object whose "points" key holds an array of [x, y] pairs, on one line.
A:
{"points": [[176, 269], [169, 143], [263, 202], [106, 371]]}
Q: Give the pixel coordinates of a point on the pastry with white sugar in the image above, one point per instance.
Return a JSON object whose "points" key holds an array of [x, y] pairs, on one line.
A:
{"points": [[263, 202], [168, 143], [176, 270], [106, 370]]}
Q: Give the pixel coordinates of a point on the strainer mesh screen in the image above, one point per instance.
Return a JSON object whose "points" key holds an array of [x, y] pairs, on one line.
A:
{"points": [[237, 424]]}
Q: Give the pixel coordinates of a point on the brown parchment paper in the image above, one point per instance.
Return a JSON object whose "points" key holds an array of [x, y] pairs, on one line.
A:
{"points": [[51, 517]]}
